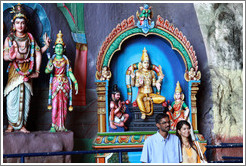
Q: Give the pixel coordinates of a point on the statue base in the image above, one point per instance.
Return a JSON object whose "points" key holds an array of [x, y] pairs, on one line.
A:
{"points": [[36, 142], [147, 124]]}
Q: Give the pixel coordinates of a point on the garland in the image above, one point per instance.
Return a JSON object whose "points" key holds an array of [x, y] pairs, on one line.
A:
{"points": [[70, 85], [28, 72]]}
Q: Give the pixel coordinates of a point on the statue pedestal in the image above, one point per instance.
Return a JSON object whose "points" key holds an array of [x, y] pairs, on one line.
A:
{"points": [[148, 124], [34, 142]]}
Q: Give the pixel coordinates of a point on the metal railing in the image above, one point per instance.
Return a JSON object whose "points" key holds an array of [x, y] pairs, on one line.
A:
{"points": [[227, 159], [23, 155]]}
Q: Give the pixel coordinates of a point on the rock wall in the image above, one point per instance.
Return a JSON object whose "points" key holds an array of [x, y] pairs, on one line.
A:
{"points": [[222, 30], [34, 142]]}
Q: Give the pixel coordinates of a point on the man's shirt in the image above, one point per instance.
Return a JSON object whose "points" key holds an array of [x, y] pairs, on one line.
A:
{"points": [[159, 150]]}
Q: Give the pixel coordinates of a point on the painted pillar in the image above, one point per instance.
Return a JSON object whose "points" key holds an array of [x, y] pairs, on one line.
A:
{"points": [[101, 105], [194, 90], [74, 13]]}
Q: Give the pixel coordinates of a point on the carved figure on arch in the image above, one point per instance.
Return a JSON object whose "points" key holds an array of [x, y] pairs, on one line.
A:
{"points": [[192, 75]]}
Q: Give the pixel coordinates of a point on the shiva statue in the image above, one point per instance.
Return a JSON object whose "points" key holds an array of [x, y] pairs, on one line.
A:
{"points": [[178, 110], [144, 80], [60, 85], [118, 116], [24, 55]]}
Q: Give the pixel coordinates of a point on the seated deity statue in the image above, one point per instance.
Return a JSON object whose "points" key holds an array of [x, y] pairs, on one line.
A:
{"points": [[178, 110], [118, 116], [145, 79]]}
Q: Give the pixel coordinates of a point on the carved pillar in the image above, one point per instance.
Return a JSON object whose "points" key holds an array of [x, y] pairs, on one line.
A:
{"points": [[101, 105], [194, 89]]}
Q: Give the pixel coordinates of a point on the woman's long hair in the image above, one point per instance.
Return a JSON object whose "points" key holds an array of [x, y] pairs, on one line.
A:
{"points": [[178, 127]]}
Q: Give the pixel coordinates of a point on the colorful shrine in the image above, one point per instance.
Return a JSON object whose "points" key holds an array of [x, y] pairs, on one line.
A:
{"points": [[119, 54]]}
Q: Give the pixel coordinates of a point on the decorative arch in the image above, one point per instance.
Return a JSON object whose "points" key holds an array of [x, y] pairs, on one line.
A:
{"points": [[164, 29], [127, 29]]}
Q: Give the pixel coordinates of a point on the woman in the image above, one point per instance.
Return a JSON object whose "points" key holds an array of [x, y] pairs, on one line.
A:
{"points": [[190, 149], [60, 89]]}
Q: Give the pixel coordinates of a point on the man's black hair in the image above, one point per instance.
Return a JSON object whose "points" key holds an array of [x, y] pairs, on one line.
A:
{"points": [[160, 116]]}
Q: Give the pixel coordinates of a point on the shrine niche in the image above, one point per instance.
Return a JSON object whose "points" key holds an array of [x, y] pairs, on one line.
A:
{"points": [[171, 62]]}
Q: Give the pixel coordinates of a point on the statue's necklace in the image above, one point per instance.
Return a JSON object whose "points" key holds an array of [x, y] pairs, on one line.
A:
{"points": [[28, 72]]}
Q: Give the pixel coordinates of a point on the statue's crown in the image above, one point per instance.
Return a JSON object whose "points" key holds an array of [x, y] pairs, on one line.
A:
{"points": [[145, 56], [59, 39], [178, 88], [19, 12]]}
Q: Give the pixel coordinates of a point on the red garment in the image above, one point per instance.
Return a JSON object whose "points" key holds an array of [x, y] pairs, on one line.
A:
{"points": [[60, 94]]}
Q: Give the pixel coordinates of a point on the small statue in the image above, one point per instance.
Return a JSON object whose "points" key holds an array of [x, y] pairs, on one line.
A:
{"points": [[24, 55], [178, 109], [192, 75], [118, 116], [145, 79], [145, 18], [146, 14], [60, 88], [106, 73]]}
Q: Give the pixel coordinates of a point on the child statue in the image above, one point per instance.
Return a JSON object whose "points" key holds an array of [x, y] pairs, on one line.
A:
{"points": [[178, 110], [24, 55], [60, 86]]}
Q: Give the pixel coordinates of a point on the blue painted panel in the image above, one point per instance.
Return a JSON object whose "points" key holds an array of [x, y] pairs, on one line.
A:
{"points": [[134, 157], [160, 53]]}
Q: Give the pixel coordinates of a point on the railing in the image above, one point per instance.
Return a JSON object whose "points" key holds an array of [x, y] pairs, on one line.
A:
{"points": [[23, 155], [228, 159], [222, 145]]}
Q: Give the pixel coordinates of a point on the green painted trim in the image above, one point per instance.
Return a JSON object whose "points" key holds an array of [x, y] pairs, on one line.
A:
{"points": [[67, 16], [134, 133], [176, 44], [126, 133], [77, 11], [117, 144]]}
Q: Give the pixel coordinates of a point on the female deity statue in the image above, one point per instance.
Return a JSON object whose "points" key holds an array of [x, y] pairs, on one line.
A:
{"points": [[60, 88], [178, 110], [145, 79], [23, 53]]}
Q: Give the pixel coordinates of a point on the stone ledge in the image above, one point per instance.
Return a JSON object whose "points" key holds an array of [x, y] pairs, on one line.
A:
{"points": [[40, 141]]}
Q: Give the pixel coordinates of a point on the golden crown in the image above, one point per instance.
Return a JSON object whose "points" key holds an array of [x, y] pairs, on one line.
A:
{"points": [[59, 39], [19, 11], [145, 56], [178, 89]]}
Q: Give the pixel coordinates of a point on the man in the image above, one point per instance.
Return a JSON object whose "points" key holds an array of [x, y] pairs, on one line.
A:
{"points": [[162, 147], [118, 117], [24, 55]]}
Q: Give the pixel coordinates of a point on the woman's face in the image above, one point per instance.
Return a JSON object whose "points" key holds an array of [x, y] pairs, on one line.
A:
{"points": [[59, 49], [177, 95], [20, 25], [184, 131]]}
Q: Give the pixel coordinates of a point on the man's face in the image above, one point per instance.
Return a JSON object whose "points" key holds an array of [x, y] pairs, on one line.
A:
{"points": [[20, 24], [117, 96], [164, 124]]}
